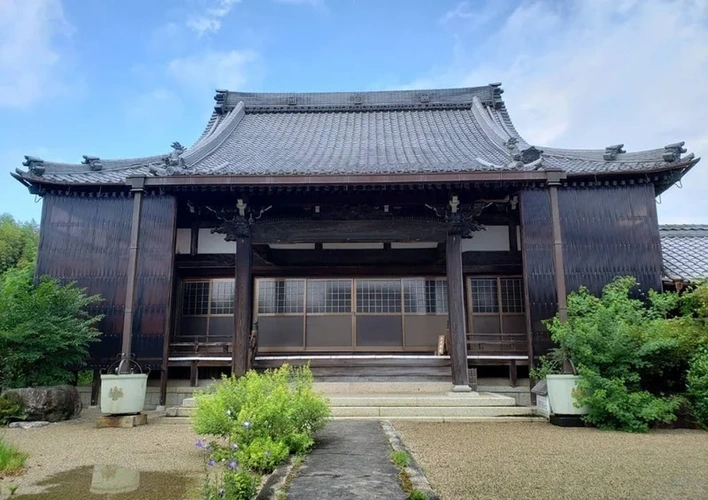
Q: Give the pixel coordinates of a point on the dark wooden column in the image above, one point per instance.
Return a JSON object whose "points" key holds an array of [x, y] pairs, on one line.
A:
{"points": [[554, 180], [244, 302], [456, 314], [137, 188]]}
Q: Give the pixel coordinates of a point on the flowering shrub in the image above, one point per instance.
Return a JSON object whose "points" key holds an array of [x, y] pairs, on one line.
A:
{"points": [[258, 420]]}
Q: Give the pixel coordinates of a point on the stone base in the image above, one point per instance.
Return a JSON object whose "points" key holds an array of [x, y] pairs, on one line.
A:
{"points": [[567, 420], [461, 388], [122, 421], [462, 394]]}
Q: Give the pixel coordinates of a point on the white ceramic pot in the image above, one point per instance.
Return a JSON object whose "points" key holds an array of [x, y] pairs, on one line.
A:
{"points": [[560, 394], [123, 394]]}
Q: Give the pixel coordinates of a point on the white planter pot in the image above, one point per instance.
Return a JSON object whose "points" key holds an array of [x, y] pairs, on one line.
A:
{"points": [[560, 394], [123, 394]]}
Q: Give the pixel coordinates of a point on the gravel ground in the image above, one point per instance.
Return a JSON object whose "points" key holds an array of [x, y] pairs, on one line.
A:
{"points": [[64, 446], [540, 461]]}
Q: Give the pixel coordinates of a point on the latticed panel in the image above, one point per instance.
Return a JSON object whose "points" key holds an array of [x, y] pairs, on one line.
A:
{"points": [[281, 296], [195, 298], [512, 295], [329, 296], [378, 296], [423, 296], [222, 297], [484, 295]]}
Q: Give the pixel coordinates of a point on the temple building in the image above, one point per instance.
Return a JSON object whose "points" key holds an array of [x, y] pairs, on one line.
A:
{"points": [[406, 230]]}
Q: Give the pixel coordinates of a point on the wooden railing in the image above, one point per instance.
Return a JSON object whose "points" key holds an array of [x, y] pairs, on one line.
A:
{"points": [[507, 349]]}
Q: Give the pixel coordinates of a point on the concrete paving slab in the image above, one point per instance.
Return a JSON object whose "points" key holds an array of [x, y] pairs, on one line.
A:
{"points": [[351, 461]]}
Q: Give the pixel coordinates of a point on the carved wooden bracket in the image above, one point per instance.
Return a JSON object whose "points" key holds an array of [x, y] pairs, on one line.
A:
{"points": [[236, 222]]}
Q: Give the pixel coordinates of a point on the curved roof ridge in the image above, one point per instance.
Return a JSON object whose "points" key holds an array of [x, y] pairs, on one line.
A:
{"points": [[214, 120], [498, 137], [216, 138]]}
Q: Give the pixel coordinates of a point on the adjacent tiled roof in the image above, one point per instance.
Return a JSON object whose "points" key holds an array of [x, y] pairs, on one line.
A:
{"points": [[685, 251], [414, 131]]}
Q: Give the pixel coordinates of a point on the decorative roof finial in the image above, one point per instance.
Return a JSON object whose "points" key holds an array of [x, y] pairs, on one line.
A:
{"points": [[36, 165], [94, 162], [611, 152], [513, 146], [672, 152], [175, 159]]}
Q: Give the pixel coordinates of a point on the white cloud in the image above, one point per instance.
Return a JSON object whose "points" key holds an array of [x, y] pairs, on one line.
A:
{"points": [[208, 18], [216, 69], [590, 73], [30, 58], [461, 11]]}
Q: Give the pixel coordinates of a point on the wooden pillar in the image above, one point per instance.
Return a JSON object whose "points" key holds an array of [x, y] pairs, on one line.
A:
{"points": [[554, 179], [243, 303], [137, 188], [456, 314]]}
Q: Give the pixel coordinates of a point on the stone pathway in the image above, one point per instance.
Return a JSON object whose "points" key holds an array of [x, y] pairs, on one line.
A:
{"points": [[351, 461]]}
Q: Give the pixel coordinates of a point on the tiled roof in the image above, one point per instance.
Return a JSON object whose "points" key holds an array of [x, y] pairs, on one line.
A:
{"points": [[685, 251], [415, 131]]}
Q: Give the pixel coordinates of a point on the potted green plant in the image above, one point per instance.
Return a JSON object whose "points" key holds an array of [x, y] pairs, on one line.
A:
{"points": [[562, 378]]}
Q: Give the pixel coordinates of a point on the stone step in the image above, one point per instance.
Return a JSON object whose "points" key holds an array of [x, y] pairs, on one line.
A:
{"points": [[422, 400], [362, 385], [503, 419], [431, 411]]}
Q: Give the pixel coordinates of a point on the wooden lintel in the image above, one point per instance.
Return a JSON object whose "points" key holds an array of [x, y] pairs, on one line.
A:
{"points": [[317, 231]]}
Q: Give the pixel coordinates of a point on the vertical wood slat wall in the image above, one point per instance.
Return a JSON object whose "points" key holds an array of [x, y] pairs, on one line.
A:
{"points": [[607, 231], [154, 283], [87, 240]]}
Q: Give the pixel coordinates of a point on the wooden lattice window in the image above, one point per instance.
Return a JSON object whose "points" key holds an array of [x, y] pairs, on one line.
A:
{"points": [[207, 308], [496, 314], [424, 296]]}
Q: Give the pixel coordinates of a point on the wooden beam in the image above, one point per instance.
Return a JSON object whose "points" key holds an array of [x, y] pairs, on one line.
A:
{"points": [[242, 309], [358, 231], [456, 314], [127, 342], [558, 252]]}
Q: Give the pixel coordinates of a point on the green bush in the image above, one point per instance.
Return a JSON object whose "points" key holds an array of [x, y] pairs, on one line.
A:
{"points": [[697, 385], [258, 420], [11, 409], [44, 330], [280, 404], [633, 354], [262, 455]]}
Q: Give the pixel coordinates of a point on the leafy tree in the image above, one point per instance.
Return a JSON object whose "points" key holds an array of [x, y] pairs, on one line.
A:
{"points": [[18, 242], [44, 329]]}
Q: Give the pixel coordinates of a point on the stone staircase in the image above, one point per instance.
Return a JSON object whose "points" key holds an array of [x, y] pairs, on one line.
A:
{"points": [[386, 400]]}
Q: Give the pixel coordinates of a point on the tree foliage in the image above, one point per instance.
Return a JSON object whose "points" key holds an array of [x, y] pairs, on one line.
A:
{"points": [[18, 242], [44, 329]]}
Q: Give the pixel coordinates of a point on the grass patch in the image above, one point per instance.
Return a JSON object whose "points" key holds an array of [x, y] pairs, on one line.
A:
{"points": [[12, 460], [400, 458]]}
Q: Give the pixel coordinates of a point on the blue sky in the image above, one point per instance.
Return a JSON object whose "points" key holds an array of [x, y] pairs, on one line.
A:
{"points": [[124, 78]]}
